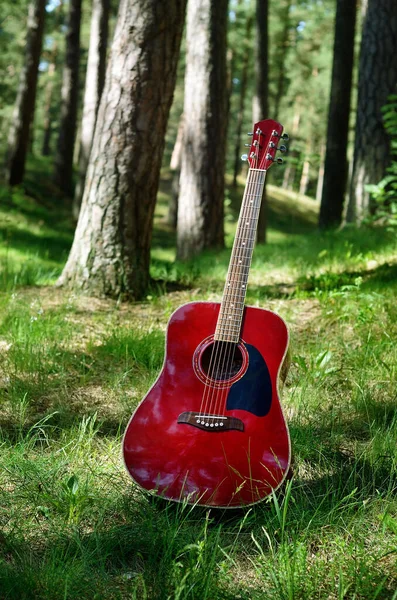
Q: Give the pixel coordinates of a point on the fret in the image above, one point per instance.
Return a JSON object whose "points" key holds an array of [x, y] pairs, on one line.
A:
{"points": [[228, 319]]}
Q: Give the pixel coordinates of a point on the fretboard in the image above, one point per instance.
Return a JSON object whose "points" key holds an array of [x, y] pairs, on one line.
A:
{"points": [[228, 326]]}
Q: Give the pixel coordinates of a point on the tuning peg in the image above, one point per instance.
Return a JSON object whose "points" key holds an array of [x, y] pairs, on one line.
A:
{"points": [[279, 161], [285, 136], [244, 157], [250, 133], [282, 148], [247, 145]]}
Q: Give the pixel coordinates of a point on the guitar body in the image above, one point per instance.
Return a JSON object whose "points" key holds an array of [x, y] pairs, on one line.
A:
{"points": [[211, 440]]}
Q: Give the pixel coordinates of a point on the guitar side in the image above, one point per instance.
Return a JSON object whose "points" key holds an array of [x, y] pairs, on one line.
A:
{"points": [[167, 452]]}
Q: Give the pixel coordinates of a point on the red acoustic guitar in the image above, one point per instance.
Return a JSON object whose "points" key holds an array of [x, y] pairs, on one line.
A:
{"points": [[211, 430]]}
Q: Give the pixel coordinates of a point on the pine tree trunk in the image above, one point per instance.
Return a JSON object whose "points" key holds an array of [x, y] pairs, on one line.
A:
{"points": [[282, 48], [377, 80], [243, 93], [48, 108], [18, 141], [320, 176], [63, 175], [304, 181], [111, 249], [200, 210], [261, 103], [175, 164], [335, 169], [95, 80], [290, 169]]}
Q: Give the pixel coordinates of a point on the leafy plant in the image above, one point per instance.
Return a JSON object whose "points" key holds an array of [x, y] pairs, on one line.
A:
{"points": [[385, 192]]}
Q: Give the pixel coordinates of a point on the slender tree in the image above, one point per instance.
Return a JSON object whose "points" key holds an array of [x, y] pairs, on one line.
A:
{"points": [[111, 249], [175, 164], [70, 89], [48, 103], [335, 169], [261, 97], [201, 194], [377, 79], [94, 82], [281, 48], [18, 141], [242, 98]]}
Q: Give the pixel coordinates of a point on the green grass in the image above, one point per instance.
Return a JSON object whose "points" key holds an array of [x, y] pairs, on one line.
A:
{"points": [[72, 369]]}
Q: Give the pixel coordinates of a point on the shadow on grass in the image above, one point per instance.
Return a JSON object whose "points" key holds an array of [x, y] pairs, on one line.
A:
{"points": [[53, 246]]}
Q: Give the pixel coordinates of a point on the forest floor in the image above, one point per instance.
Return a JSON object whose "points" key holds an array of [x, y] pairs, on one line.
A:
{"points": [[72, 369]]}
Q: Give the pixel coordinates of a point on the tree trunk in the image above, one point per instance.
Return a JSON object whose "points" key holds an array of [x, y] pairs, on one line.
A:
{"points": [[63, 175], [304, 181], [18, 141], [281, 55], [290, 169], [95, 80], [377, 80], [261, 98], [200, 210], [48, 108], [111, 249], [175, 165], [320, 177], [243, 93], [335, 169]]}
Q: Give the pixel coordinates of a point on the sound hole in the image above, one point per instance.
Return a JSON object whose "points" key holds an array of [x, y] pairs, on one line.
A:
{"points": [[221, 360]]}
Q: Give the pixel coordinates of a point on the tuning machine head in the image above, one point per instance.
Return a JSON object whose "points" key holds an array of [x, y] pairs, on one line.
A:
{"points": [[285, 137], [244, 157]]}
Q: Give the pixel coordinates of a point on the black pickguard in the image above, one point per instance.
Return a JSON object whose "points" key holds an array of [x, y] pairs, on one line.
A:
{"points": [[253, 392]]}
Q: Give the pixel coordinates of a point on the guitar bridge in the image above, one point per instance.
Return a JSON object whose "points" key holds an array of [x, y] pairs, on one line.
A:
{"points": [[210, 422]]}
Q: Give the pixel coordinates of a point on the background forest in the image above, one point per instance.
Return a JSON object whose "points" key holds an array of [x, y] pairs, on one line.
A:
{"points": [[121, 131]]}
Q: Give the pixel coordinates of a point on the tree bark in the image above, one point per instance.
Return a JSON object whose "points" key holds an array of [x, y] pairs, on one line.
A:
{"points": [[63, 175], [111, 249], [243, 93], [261, 97], [200, 210], [281, 55], [335, 168], [18, 140], [377, 80], [290, 169], [95, 80], [48, 108], [175, 165], [320, 176], [304, 181]]}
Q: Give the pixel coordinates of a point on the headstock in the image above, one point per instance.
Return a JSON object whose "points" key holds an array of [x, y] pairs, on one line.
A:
{"points": [[264, 145]]}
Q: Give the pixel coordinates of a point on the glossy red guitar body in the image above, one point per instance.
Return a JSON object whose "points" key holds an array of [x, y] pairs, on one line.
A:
{"points": [[213, 466]]}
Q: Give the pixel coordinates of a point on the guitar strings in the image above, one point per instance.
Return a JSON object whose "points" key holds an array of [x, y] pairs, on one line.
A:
{"points": [[251, 213], [223, 352], [226, 350], [246, 254], [209, 390], [237, 257]]}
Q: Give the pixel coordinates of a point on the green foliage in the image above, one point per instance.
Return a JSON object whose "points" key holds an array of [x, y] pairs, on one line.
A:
{"points": [[385, 192]]}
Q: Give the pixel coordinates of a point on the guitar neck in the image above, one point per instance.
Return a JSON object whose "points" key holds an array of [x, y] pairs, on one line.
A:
{"points": [[232, 307]]}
